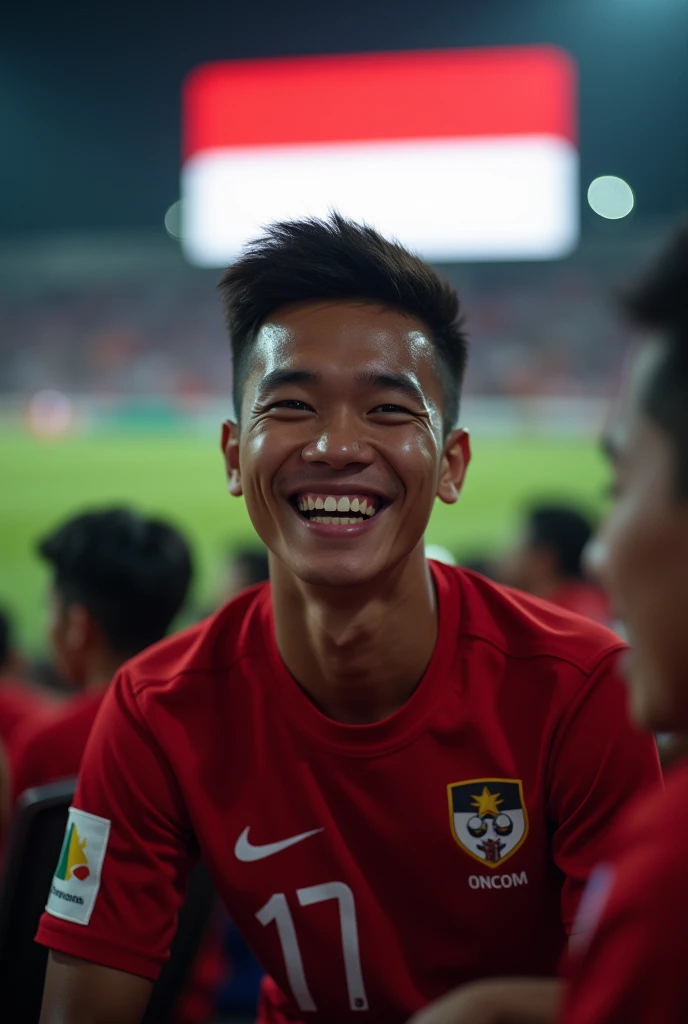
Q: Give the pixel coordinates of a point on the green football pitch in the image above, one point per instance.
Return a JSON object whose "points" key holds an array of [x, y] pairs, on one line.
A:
{"points": [[181, 478]]}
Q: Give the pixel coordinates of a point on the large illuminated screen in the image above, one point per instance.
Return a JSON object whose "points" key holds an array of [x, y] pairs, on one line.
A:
{"points": [[460, 154]]}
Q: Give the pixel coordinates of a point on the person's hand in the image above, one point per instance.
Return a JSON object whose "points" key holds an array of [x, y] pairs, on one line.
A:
{"points": [[496, 1001], [476, 1003]]}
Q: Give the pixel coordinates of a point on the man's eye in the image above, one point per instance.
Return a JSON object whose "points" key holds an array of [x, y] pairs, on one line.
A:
{"points": [[290, 403], [389, 407]]}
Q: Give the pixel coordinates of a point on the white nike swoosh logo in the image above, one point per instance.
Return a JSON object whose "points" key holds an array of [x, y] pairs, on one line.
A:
{"points": [[246, 851]]}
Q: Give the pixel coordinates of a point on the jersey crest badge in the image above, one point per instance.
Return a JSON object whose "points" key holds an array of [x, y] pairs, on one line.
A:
{"points": [[488, 818]]}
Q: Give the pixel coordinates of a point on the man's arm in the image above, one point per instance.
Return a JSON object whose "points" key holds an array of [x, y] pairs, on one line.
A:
{"points": [[497, 1001], [127, 856], [79, 992]]}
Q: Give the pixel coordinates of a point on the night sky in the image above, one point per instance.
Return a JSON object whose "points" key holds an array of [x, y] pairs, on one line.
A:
{"points": [[89, 98]]}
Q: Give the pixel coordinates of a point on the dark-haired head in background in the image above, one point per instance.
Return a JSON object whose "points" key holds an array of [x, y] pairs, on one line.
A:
{"points": [[245, 568], [547, 560], [6, 646], [118, 581]]}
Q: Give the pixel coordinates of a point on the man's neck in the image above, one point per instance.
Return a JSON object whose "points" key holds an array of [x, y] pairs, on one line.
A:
{"points": [[358, 652], [101, 672]]}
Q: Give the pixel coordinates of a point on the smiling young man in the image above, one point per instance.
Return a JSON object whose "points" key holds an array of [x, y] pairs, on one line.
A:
{"points": [[398, 773]]}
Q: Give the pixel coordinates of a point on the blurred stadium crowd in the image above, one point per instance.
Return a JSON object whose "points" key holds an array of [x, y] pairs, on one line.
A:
{"points": [[545, 334]]}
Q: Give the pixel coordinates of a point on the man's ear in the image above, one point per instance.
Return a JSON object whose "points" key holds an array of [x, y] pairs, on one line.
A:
{"points": [[455, 459], [230, 450], [78, 627]]}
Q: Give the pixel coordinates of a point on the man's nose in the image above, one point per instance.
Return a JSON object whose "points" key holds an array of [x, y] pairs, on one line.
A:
{"points": [[339, 443]]}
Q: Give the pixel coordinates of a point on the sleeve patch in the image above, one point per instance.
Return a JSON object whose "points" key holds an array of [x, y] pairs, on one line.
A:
{"points": [[76, 881]]}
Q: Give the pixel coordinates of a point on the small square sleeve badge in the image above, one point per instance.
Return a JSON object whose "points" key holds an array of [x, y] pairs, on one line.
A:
{"points": [[77, 877]]}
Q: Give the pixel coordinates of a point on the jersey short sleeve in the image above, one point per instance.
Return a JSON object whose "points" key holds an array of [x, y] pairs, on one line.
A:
{"points": [[128, 849], [599, 763]]}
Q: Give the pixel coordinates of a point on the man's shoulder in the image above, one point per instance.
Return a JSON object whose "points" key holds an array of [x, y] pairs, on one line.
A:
{"points": [[211, 647], [51, 745], [523, 627], [651, 851], [659, 820]]}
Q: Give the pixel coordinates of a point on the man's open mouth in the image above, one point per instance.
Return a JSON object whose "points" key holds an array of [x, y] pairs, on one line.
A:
{"points": [[336, 509]]}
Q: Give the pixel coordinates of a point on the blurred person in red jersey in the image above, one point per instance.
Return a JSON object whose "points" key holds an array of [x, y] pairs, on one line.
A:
{"points": [[628, 964], [547, 562], [626, 961], [19, 702], [398, 772], [118, 581]]}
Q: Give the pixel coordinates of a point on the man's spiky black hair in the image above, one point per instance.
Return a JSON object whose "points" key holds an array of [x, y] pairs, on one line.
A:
{"points": [[337, 259]]}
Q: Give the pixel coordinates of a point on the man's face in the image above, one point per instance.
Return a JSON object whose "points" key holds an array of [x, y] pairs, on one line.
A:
{"points": [[641, 556], [340, 454]]}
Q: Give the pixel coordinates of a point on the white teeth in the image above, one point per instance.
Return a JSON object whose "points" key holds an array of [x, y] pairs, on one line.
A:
{"points": [[362, 507], [311, 504], [319, 503], [354, 505], [343, 505], [330, 504], [370, 511]]}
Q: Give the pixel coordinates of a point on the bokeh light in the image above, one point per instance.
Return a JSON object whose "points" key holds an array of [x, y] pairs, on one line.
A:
{"points": [[50, 414], [611, 197], [173, 220]]}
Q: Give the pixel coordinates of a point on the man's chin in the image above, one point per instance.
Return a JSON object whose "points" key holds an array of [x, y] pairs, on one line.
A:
{"points": [[333, 573]]}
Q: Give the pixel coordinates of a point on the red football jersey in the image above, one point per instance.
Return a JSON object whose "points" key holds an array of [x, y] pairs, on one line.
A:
{"points": [[630, 964], [51, 746], [372, 867], [18, 704]]}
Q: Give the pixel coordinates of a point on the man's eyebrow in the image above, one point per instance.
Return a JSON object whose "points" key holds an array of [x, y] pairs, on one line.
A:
{"points": [[281, 378], [392, 382]]}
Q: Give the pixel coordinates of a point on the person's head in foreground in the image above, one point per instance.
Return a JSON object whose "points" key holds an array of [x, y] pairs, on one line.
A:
{"points": [[549, 551], [640, 553], [118, 580], [348, 359]]}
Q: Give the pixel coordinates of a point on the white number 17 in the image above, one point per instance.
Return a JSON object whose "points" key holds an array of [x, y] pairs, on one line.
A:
{"points": [[277, 909]]}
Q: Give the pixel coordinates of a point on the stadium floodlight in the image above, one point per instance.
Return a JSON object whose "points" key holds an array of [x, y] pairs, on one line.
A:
{"points": [[611, 197], [461, 154]]}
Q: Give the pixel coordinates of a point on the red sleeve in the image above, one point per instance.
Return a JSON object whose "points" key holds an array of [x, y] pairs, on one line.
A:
{"points": [[599, 762], [132, 823], [633, 967]]}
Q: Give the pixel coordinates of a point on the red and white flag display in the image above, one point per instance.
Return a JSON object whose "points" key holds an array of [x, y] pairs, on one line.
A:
{"points": [[460, 154]]}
